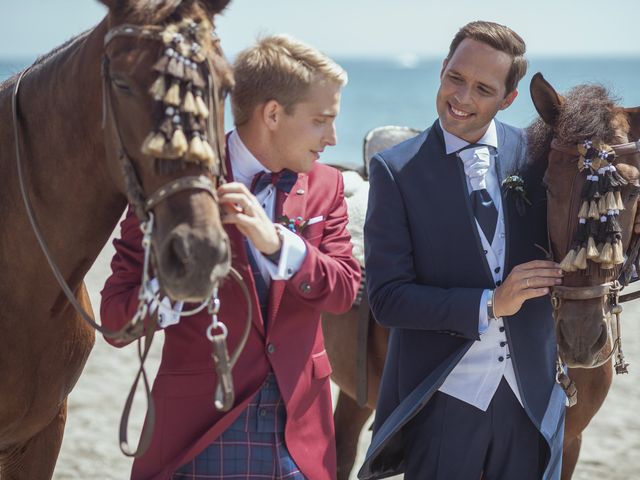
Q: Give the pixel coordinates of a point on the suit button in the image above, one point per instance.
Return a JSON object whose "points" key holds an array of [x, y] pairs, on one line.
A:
{"points": [[497, 270], [498, 283], [305, 287], [501, 359], [271, 348], [502, 329], [263, 412], [502, 344]]}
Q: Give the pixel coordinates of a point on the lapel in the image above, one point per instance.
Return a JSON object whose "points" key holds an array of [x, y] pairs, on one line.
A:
{"points": [[294, 205], [239, 259]]}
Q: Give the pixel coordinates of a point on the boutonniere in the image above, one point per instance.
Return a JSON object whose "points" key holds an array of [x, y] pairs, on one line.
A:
{"points": [[514, 185], [296, 225]]}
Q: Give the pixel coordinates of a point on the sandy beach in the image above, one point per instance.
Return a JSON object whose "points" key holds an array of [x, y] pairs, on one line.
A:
{"points": [[610, 449]]}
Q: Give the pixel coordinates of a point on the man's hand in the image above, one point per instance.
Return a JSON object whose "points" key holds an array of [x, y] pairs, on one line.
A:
{"points": [[527, 280], [242, 209]]}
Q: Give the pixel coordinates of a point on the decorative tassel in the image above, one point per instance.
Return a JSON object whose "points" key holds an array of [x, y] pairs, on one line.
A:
{"points": [[201, 107], [189, 103], [210, 155], [592, 250], [610, 200], [153, 145], [602, 206], [606, 266], [184, 49], [176, 67], [172, 96], [606, 254], [161, 65], [567, 263], [580, 262], [593, 210], [584, 210], [178, 146], [618, 254], [158, 90], [196, 151], [619, 202]]}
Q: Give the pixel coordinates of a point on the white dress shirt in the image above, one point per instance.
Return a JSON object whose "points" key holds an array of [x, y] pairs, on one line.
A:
{"points": [[293, 251], [476, 377]]}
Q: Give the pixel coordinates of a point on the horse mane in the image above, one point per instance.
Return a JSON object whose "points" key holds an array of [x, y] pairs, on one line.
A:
{"points": [[155, 12], [587, 112]]}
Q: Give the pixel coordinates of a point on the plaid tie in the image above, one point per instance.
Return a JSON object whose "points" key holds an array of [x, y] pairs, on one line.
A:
{"points": [[283, 180]]}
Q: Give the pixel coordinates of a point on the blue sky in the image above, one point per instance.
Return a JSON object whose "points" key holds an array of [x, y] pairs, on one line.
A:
{"points": [[360, 27]]}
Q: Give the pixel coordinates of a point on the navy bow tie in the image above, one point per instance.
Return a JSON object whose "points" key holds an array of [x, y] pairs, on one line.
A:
{"points": [[283, 180]]}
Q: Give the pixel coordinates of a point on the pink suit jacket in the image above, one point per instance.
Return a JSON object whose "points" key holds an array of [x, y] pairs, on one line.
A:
{"points": [[292, 347]]}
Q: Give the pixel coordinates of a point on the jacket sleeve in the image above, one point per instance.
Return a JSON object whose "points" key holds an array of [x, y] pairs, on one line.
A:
{"points": [[120, 293], [329, 276], [396, 297]]}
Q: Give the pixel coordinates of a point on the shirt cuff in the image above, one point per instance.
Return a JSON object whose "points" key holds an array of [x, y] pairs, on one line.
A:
{"points": [[483, 323], [292, 255], [168, 314]]}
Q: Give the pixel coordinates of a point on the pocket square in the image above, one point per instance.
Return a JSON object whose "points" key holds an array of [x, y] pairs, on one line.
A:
{"points": [[313, 220]]}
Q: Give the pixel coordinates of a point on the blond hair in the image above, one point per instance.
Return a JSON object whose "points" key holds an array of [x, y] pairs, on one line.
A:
{"points": [[501, 38], [279, 68]]}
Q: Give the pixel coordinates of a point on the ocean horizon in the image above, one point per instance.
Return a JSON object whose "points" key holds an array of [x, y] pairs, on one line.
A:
{"points": [[402, 91]]}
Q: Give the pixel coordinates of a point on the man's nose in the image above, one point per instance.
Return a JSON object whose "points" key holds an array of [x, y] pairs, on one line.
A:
{"points": [[332, 136]]}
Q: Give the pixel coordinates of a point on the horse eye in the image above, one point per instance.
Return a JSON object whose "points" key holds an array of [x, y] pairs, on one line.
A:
{"points": [[120, 84]]}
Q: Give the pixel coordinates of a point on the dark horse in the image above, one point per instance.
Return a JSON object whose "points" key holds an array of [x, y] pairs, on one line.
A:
{"points": [[587, 112], [82, 114]]}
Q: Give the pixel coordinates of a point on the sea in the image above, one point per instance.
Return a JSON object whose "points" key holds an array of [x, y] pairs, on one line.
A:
{"points": [[402, 91]]}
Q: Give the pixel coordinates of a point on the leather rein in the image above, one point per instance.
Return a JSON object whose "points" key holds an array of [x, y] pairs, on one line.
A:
{"points": [[143, 207], [608, 290]]}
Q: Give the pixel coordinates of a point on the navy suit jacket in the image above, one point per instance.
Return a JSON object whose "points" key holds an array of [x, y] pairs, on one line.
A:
{"points": [[426, 272]]}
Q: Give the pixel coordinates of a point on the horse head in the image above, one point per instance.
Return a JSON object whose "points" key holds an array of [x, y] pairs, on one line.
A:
{"points": [[581, 141], [165, 79]]}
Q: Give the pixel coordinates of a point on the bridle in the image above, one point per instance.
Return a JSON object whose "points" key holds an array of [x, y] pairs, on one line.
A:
{"points": [[143, 207], [608, 292]]}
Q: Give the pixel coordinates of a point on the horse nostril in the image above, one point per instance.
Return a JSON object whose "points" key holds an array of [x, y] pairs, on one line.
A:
{"points": [[601, 340], [179, 249]]}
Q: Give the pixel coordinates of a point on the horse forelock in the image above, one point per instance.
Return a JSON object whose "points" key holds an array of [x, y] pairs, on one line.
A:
{"points": [[588, 112], [157, 12]]}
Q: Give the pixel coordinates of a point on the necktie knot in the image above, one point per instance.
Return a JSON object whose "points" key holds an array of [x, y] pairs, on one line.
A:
{"points": [[477, 161], [283, 180]]}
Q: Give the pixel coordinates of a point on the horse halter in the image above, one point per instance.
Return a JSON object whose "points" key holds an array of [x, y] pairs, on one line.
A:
{"points": [[608, 291], [212, 158]]}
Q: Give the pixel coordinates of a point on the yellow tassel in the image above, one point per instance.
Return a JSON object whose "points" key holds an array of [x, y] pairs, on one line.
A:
{"points": [[611, 201], [606, 254], [592, 250], [619, 202], [602, 206], [580, 262], [172, 97], [153, 146], [178, 145], [189, 103], [606, 266], [158, 90], [196, 151], [567, 264], [593, 210], [184, 49], [584, 210], [618, 255], [210, 155], [203, 111]]}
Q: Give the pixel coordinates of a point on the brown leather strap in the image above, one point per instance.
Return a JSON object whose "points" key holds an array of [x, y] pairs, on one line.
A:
{"points": [[128, 30], [362, 347], [582, 293], [620, 149], [179, 185]]}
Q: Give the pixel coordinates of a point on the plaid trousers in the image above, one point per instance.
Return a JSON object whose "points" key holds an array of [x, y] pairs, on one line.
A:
{"points": [[252, 447]]}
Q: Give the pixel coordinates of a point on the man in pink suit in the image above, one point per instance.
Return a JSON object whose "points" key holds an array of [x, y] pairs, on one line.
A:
{"points": [[285, 102]]}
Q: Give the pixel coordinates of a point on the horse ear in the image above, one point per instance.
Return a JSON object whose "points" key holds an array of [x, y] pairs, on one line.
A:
{"points": [[545, 99], [634, 122], [114, 5]]}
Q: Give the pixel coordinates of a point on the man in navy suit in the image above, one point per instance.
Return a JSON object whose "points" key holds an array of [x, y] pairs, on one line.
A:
{"points": [[453, 269]]}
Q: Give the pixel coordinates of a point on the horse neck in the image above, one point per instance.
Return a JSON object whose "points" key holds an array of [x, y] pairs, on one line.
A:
{"points": [[75, 199]]}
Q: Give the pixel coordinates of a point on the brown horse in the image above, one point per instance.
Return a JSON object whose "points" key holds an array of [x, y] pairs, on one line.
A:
{"points": [[79, 177], [587, 112]]}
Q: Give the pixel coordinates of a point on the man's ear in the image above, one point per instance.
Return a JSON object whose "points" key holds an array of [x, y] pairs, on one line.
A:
{"points": [[271, 113], [508, 100]]}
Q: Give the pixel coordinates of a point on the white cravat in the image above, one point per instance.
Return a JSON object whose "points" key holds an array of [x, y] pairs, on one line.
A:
{"points": [[477, 162]]}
